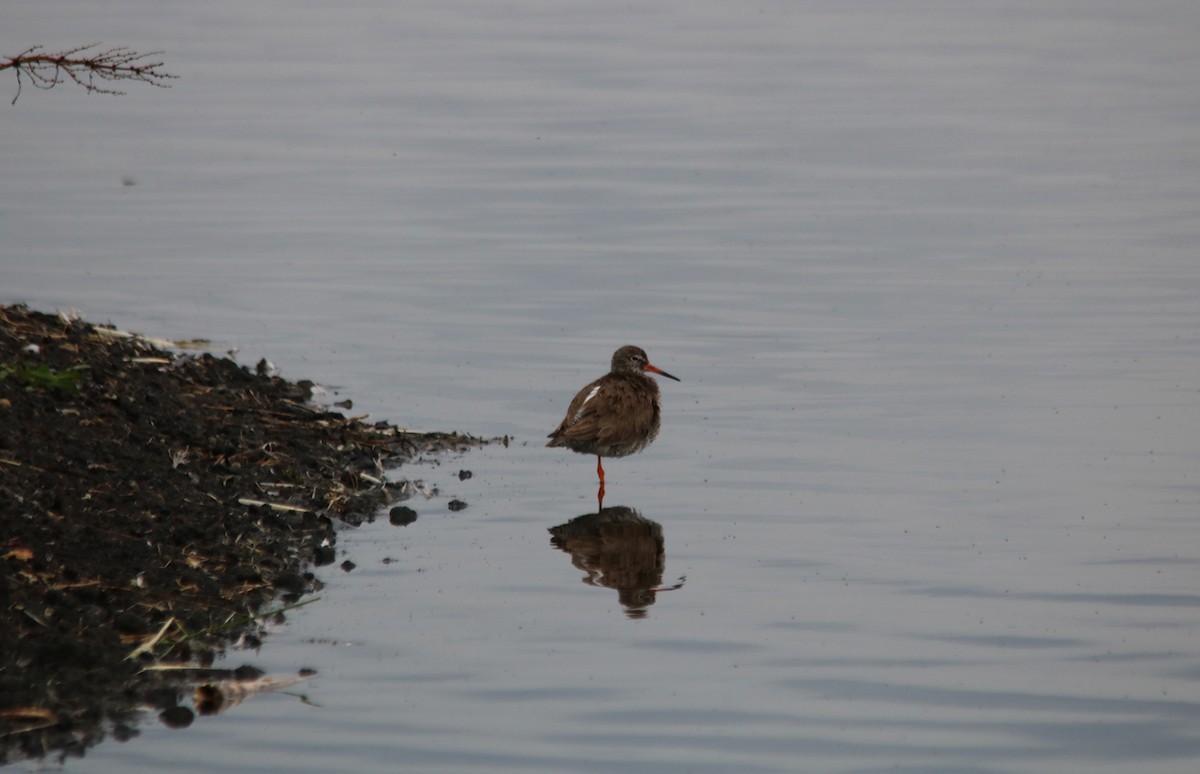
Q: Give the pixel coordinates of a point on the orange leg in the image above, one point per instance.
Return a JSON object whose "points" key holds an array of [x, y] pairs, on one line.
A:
{"points": [[600, 491]]}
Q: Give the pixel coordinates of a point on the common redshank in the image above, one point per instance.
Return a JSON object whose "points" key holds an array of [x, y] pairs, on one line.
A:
{"points": [[616, 415]]}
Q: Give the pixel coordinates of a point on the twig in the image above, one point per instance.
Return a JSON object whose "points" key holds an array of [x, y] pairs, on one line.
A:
{"points": [[149, 644], [273, 506], [85, 67]]}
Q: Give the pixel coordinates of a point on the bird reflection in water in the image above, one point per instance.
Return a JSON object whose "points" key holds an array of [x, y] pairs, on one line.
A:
{"points": [[617, 548]]}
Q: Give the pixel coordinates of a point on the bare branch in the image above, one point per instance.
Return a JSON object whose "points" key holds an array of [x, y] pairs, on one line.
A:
{"points": [[86, 67]]}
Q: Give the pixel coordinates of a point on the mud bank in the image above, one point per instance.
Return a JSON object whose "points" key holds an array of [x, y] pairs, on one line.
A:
{"points": [[155, 505]]}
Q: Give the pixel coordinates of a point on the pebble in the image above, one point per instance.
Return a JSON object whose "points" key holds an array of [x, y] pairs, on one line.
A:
{"points": [[177, 717], [402, 516], [323, 555]]}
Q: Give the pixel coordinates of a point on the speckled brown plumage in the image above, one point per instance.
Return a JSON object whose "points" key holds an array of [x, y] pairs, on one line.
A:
{"points": [[616, 415]]}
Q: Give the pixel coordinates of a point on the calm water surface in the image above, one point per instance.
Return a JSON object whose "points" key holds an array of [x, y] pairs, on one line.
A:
{"points": [[928, 272]]}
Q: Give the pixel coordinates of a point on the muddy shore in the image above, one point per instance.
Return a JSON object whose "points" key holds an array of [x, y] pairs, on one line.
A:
{"points": [[157, 509]]}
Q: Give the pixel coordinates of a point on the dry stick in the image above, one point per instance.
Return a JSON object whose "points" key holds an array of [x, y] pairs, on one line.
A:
{"points": [[46, 70]]}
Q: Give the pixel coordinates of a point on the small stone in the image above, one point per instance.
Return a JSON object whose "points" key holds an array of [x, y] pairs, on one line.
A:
{"points": [[402, 516], [290, 582], [348, 565], [123, 733], [163, 698], [457, 505], [177, 717], [247, 672], [323, 555], [463, 475]]}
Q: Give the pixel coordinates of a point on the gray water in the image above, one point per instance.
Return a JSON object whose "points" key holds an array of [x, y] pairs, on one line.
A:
{"points": [[928, 272]]}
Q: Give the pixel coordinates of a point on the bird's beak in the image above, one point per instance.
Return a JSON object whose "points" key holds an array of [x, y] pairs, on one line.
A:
{"points": [[656, 370]]}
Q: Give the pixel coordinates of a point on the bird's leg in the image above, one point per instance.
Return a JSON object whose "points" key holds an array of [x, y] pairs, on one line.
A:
{"points": [[600, 491]]}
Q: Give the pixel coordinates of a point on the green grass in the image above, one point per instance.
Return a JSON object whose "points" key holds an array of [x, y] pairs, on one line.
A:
{"points": [[43, 377]]}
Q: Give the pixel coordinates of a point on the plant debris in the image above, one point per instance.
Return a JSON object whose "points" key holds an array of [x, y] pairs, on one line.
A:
{"points": [[153, 504]]}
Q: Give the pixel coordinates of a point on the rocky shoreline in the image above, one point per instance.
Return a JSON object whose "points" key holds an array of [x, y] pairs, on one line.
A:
{"points": [[158, 508]]}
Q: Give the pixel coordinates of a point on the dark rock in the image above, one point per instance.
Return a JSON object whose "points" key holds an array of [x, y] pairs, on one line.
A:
{"points": [[177, 717], [248, 672], [323, 555], [291, 583], [402, 516]]}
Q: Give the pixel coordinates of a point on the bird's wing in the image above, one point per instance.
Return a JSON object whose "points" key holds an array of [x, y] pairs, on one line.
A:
{"points": [[624, 416], [569, 428]]}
